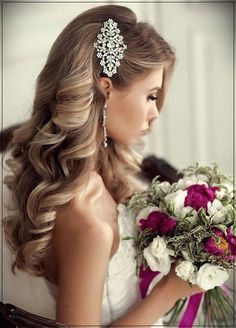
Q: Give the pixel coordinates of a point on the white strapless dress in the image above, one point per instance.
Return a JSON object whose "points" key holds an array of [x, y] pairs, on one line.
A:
{"points": [[121, 288]]}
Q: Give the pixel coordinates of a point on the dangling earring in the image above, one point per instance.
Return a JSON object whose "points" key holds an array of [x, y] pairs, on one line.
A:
{"points": [[104, 126]]}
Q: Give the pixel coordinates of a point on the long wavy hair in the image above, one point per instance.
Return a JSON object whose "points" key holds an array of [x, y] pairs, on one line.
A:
{"points": [[52, 153]]}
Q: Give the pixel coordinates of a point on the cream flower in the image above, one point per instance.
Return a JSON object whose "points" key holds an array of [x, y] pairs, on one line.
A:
{"points": [[218, 210], [222, 192], [210, 276], [177, 198], [157, 256], [165, 186], [185, 269], [191, 217]]}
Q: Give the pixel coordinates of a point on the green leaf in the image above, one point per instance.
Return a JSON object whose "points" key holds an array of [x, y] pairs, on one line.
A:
{"points": [[127, 238]]}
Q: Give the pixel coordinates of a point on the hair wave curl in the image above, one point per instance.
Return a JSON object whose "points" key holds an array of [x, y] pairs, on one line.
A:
{"points": [[54, 150]]}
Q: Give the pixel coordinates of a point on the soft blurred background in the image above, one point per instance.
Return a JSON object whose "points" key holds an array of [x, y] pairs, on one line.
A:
{"points": [[198, 116]]}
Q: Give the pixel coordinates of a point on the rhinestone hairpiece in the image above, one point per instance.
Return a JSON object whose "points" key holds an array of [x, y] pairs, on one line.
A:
{"points": [[110, 47]]}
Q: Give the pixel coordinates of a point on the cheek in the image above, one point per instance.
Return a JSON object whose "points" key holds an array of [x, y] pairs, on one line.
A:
{"points": [[133, 110], [136, 114], [126, 118]]}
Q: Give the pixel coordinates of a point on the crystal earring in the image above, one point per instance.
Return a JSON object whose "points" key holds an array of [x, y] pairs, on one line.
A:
{"points": [[104, 126]]}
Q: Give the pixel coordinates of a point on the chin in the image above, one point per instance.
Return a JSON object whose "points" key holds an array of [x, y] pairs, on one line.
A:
{"points": [[120, 139], [125, 140]]}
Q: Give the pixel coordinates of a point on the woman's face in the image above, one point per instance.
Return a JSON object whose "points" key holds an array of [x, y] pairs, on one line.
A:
{"points": [[130, 112]]}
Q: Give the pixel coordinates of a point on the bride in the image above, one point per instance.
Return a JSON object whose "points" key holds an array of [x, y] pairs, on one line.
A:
{"points": [[76, 165]]}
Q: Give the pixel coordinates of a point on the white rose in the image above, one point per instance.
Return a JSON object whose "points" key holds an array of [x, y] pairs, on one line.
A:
{"points": [[185, 255], [184, 270], [165, 186], [210, 276], [213, 207], [177, 198], [229, 187], [143, 214], [222, 192], [218, 210], [157, 256], [191, 217], [193, 278], [187, 181]]}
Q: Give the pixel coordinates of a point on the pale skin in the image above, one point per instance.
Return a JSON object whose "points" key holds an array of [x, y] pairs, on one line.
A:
{"points": [[131, 111], [86, 233]]}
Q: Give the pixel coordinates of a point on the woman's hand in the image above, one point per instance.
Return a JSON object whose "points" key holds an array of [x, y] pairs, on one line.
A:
{"points": [[179, 287]]}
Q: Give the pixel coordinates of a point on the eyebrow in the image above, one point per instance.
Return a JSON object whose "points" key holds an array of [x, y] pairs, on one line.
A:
{"points": [[154, 88]]}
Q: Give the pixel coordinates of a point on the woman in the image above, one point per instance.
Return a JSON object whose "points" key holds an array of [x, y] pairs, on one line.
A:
{"points": [[76, 167]]}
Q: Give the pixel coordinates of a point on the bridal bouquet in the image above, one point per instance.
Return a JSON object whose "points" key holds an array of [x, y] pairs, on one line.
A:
{"points": [[190, 222]]}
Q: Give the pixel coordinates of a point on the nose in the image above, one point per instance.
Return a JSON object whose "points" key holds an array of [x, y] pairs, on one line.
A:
{"points": [[153, 114]]}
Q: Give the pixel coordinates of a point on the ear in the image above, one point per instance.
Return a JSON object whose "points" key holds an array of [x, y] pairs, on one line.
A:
{"points": [[106, 85]]}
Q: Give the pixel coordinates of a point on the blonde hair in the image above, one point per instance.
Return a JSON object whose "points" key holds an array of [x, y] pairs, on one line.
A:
{"points": [[55, 149]]}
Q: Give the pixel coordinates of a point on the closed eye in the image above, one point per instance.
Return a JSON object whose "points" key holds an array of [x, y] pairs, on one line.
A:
{"points": [[152, 98]]}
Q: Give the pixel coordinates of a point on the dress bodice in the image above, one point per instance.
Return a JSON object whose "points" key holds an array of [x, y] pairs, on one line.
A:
{"points": [[121, 288]]}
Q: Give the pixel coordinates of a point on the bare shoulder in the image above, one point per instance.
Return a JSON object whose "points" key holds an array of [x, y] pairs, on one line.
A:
{"points": [[94, 207], [94, 212], [90, 218], [88, 212]]}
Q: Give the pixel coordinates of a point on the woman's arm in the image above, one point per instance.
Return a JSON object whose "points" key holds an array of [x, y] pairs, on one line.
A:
{"points": [[148, 310], [158, 302], [82, 264]]}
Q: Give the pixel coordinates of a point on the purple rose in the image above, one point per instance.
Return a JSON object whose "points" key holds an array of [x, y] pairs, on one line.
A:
{"points": [[232, 241], [227, 244], [159, 222], [167, 226], [212, 247], [199, 195]]}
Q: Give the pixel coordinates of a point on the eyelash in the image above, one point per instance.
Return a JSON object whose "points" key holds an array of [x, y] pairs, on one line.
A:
{"points": [[152, 98]]}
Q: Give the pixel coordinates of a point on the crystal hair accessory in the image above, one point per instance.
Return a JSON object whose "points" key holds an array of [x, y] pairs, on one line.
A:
{"points": [[110, 47]]}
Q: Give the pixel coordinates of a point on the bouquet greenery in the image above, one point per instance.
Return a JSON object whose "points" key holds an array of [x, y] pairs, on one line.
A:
{"points": [[190, 222]]}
